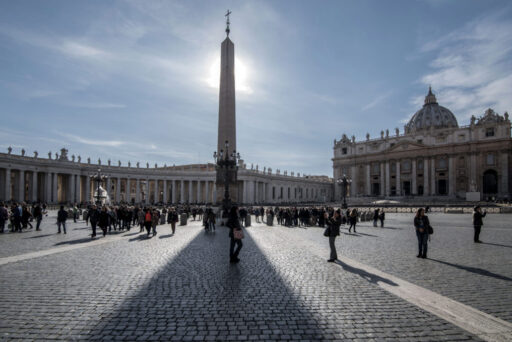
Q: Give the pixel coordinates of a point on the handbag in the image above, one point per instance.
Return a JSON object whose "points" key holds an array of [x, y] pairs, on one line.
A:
{"points": [[430, 230], [238, 234], [327, 232]]}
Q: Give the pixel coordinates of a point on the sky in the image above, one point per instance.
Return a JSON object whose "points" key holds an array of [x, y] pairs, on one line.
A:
{"points": [[138, 80]]}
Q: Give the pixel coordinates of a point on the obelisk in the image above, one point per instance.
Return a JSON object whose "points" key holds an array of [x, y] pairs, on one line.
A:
{"points": [[226, 141]]}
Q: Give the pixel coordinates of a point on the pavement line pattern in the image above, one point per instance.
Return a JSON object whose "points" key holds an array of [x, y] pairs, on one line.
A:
{"points": [[100, 241], [476, 322]]}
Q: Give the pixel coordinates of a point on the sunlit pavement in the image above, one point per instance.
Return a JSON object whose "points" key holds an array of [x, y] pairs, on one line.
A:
{"points": [[182, 287]]}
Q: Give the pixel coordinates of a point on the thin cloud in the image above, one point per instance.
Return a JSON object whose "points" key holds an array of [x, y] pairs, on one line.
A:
{"points": [[377, 101]]}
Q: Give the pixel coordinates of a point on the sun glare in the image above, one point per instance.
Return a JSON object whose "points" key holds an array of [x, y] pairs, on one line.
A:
{"points": [[241, 76]]}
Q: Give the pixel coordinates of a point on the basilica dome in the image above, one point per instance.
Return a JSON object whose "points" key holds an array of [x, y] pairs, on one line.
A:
{"points": [[432, 115]]}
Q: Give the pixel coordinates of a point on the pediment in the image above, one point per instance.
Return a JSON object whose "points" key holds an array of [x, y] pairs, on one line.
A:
{"points": [[406, 146]]}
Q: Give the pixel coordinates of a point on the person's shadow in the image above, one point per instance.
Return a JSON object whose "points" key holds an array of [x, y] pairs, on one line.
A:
{"points": [[370, 277], [495, 244], [475, 270]]}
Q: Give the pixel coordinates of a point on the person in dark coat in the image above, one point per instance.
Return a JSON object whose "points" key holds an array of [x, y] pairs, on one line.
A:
{"points": [[25, 217], [421, 224], [172, 218], [4, 216], [38, 215], [382, 216], [334, 224], [103, 220], [375, 217], [94, 216], [234, 224], [478, 222], [62, 216]]}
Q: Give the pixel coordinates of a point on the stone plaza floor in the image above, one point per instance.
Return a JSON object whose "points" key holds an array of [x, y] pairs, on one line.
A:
{"points": [[182, 287]]}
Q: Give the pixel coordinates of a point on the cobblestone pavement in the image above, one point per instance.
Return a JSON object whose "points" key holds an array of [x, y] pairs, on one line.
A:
{"points": [[183, 288]]}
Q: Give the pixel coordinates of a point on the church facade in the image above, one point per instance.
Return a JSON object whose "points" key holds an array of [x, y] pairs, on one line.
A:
{"points": [[434, 157]]}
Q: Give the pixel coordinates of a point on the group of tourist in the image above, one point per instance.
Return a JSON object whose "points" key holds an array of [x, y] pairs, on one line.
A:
{"points": [[20, 216]]}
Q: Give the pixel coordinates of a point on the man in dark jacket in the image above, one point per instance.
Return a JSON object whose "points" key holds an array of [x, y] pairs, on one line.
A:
{"points": [[234, 224], [62, 216], [38, 215], [4, 216], [94, 216], [478, 222], [334, 224]]}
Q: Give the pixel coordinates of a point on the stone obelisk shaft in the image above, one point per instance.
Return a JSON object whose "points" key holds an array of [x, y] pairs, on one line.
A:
{"points": [[227, 117]]}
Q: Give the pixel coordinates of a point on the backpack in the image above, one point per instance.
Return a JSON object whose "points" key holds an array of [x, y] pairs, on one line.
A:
{"points": [[148, 217]]}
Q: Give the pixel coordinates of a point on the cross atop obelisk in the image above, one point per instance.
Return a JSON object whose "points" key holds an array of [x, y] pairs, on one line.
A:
{"points": [[227, 22]]}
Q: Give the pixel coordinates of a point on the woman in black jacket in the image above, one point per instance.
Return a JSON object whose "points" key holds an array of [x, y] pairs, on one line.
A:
{"points": [[421, 224], [103, 220], [334, 224]]}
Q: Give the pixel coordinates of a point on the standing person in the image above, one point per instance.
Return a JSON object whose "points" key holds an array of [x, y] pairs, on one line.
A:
{"points": [[75, 213], [353, 220], [478, 222], [38, 215], [16, 218], [140, 219], [211, 220], [421, 224], [154, 220], [25, 217], [234, 225], [93, 216], [103, 220], [62, 216], [172, 218], [148, 221], [375, 217], [382, 216], [86, 216], [334, 224], [4, 216]]}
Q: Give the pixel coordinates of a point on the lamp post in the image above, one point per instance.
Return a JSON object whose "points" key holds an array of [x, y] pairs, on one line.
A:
{"points": [[344, 182], [227, 168], [98, 177]]}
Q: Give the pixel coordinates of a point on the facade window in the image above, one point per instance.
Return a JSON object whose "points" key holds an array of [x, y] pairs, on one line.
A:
{"points": [[462, 162], [344, 150], [490, 159], [406, 165], [489, 132], [393, 167], [420, 165], [420, 141], [375, 168], [361, 149], [462, 137], [442, 163]]}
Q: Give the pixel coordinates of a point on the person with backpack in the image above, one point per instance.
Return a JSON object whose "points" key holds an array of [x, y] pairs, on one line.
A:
{"points": [[235, 234], [62, 216], [422, 227], [478, 223], [148, 220]]}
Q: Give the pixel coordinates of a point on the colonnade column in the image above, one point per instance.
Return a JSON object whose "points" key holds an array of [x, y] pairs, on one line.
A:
{"points": [[398, 186], [157, 193], [71, 190], [137, 190], [109, 187], [189, 191], [182, 191], [244, 199], [413, 180], [34, 186], [165, 199], [207, 192], [87, 188], [8, 184], [368, 182], [214, 193], [382, 186], [256, 192], [173, 191], [198, 199], [21, 190], [388, 180], [353, 187], [426, 188], [118, 189], [48, 186], [472, 171], [432, 176], [451, 176], [55, 187]]}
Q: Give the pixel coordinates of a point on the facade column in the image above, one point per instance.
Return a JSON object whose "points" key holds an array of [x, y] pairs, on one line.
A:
{"points": [[137, 190], [157, 193], [244, 199], [173, 191], [388, 180], [165, 199], [382, 184], [148, 191], [257, 193], [433, 176], [413, 178], [368, 181], [109, 187], [198, 199], [503, 188], [34, 186], [426, 188], [451, 176], [182, 191], [118, 189], [87, 188], [8, 194], [55, 188], [21, 190], [71, 189], [353, 187], [207, 192], [472, 172], [398, 185], [190, 191]]}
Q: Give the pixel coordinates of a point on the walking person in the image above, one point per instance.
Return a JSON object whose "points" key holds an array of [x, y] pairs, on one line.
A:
{"points": [[103, 220], [4, 216], [422, 224], [172, 218], [154, 220], [375, 217], [382, 216], [38, 215], [62, 216], [478, 222], [148, 220], [235, 234], [353, 220], [333, 224], [25, 217], [93, 216], [140, 219]]}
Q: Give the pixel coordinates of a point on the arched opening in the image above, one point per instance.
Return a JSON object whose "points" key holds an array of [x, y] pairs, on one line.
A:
{"points": [[490, 183]]}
